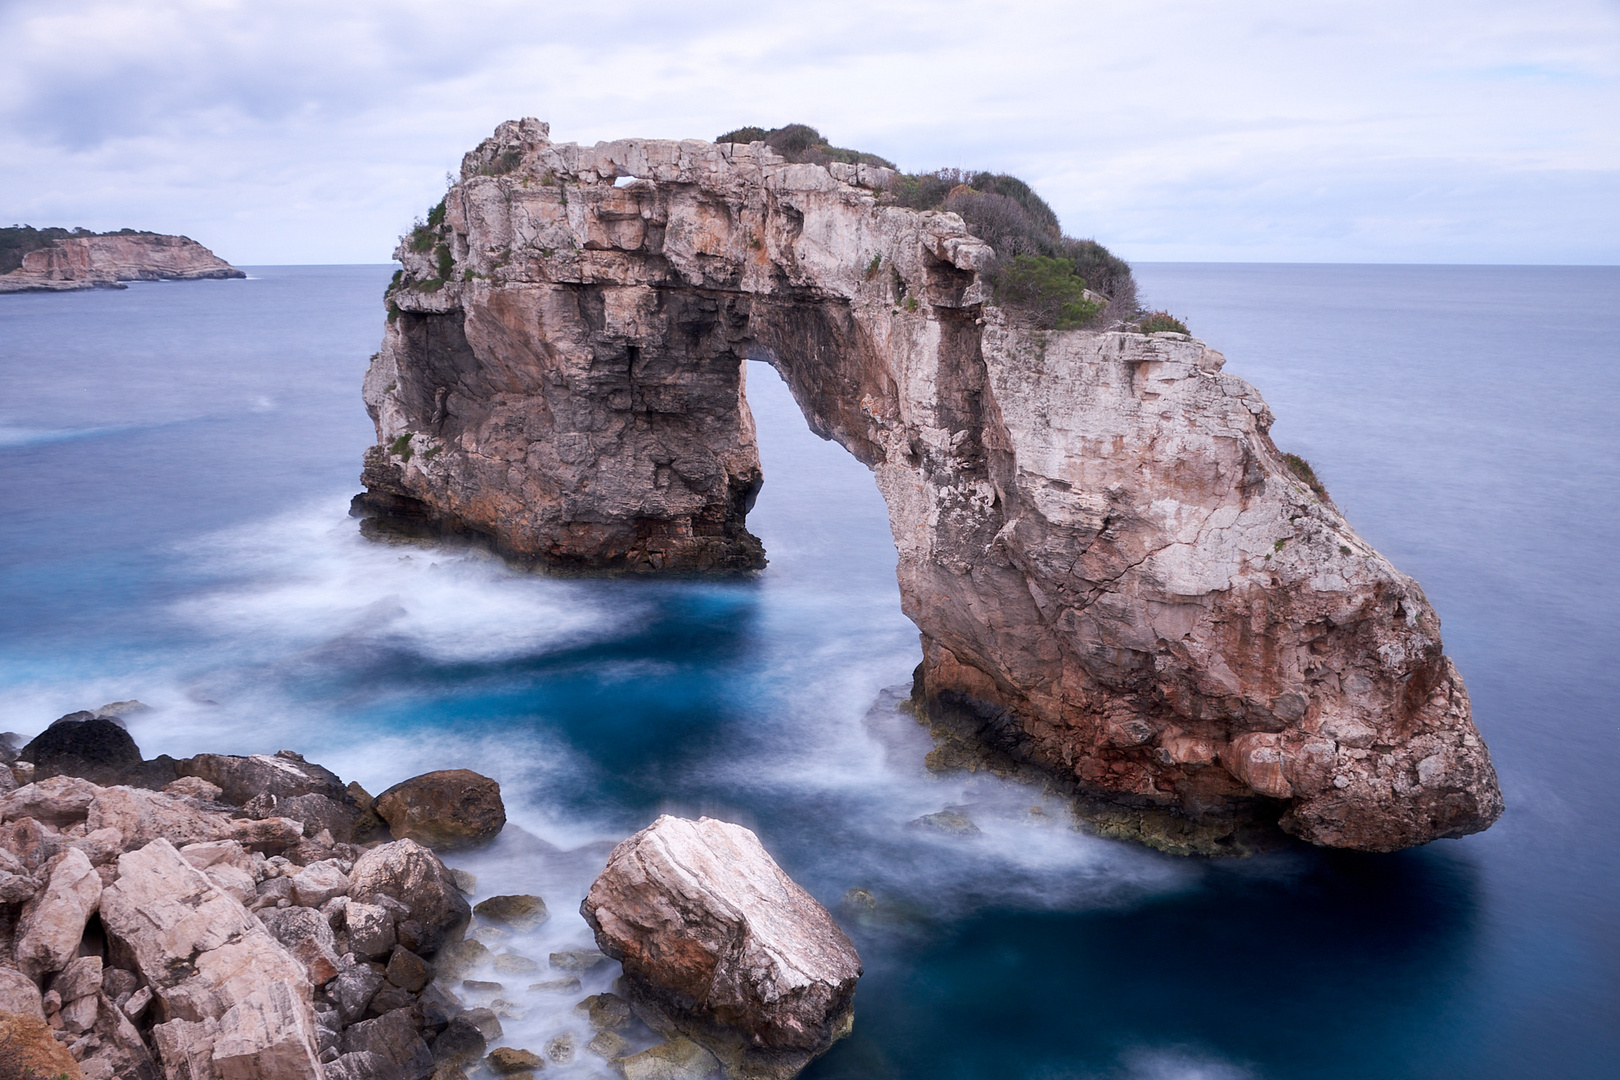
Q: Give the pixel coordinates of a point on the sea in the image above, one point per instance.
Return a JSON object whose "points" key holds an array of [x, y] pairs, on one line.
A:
{"points": [[176, 463]]}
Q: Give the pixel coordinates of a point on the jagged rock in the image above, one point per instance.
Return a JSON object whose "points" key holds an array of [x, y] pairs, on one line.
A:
{"points": [[19, 994], [521, 912], [448, 810], [94, 748], [308, 937], [713, 933], [87, 262], [28, 1046], [408, 873], [677, 1059], [353, 990], [393, 1039], [268, 1035], [81, 978], [1118, 578], [141, 816], [371, 929], [123, 1054], [32, 843], [279, 776], [16, 887], [58, 801], [194, 787], [51, 924], [318, 812]]}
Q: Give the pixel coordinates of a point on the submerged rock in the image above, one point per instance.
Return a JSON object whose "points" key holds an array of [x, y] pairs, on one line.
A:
{"points": [[715, 937], [1119, 579], [521, 912]]}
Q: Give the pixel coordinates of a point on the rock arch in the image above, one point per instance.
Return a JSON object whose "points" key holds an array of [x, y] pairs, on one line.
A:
{"points": [[1117, 579]]}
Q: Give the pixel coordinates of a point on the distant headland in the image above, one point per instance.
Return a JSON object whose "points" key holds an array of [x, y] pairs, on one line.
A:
{"points": [[61, 260]]}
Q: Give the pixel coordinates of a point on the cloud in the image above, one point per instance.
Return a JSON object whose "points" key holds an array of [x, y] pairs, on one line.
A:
{"points": [[304, 131]]}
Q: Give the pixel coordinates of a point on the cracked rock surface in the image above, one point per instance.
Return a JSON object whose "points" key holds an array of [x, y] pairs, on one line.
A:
{"points": [[1117, 578]]}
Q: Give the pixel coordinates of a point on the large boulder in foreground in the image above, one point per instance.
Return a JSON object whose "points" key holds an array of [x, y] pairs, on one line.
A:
{"points": [[715, 937], [448, 810]]}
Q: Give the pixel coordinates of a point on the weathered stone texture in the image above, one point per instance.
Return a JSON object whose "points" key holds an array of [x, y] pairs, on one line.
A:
{"points": [[711, 930], [1116, 575]]}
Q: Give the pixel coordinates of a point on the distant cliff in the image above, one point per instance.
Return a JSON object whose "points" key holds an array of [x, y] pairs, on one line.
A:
{"points": [[54, 260]]}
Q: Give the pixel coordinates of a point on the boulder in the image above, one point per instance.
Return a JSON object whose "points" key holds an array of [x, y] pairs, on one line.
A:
{"points": [[96, 748], [142, 816], [18, 994], [713, 934], [520, 912], [27, 1046], [58, 801], [279, 776], [318, 812], [319, 882], [511, 1059], [52, 923], [409, 874], [448, 810], [268, 1035]]}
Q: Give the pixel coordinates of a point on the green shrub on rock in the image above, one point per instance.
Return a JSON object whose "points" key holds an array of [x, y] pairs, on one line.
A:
{"points": [[1046, 288]]}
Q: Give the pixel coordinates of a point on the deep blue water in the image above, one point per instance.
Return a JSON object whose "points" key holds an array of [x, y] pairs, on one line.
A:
{"points": [[175, 464]]}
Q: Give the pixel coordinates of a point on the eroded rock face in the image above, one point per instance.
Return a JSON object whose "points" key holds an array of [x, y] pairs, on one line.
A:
{"points": [[1117, 577], [712, 932], [84, 262]]}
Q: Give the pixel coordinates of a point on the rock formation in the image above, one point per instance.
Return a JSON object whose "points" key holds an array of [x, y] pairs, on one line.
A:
{"points": [[714, 936], [90, 262], [1118, 578], [447, 810], [173, 934]]}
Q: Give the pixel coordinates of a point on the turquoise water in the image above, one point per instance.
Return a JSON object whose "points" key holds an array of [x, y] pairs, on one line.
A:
{"points": [[175, 464]]}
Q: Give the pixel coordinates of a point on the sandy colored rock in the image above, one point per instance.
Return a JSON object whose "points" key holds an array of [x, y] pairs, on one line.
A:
{"points": [[1117, 576], [85, 262], [142, 816], [58, 801], [51, 924], [511, 1059], [711, 930], [319, 882], [26, 1044], [448, 810], [280, 775], [18, 994]]}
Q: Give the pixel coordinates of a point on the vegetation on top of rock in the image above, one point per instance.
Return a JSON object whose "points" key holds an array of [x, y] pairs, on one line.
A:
{"points": [[1004, 212], [1047, 288], [1302, 469], [1161, 322], [803, 144], [18, 240]]}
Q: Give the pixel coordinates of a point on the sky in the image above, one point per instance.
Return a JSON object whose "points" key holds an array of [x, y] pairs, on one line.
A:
{"points": [[315, 131]]}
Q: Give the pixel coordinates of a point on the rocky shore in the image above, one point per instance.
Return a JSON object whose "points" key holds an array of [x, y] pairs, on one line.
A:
{"points": [[106, 261], [227, 917]]}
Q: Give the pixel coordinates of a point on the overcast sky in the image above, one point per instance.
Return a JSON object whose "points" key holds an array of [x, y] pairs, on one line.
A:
{"points": [[1257, 130]]}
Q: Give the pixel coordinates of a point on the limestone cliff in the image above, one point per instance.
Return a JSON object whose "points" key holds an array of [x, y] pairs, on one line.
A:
{"points": [[1117, 578], [88, 262]]}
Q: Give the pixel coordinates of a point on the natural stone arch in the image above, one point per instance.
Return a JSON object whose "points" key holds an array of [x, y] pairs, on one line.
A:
{"points": [[1117, 578]]}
